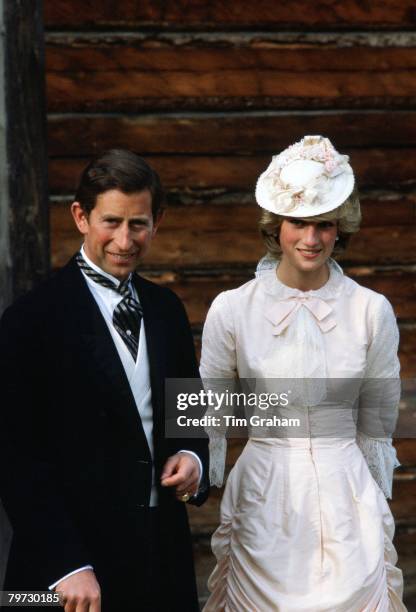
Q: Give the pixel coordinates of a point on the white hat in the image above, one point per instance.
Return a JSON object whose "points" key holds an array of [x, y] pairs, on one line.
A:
{"points": [[308, 178]]}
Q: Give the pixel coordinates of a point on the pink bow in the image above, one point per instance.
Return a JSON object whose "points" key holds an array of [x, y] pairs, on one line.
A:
{"points": [[282, 313]]}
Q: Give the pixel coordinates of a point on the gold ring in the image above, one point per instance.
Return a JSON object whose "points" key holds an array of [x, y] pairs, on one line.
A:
{"points": [[185, 497]]}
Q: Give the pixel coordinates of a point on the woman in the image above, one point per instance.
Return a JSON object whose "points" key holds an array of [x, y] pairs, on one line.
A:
{"points": [[305, 525]]}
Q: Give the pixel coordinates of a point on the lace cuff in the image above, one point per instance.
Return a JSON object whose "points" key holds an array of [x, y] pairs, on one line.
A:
{"points": [[381, 459], [217, 454]]}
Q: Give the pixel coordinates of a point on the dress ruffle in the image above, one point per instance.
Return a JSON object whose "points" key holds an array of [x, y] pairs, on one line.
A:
{"points": [[381, 458]]}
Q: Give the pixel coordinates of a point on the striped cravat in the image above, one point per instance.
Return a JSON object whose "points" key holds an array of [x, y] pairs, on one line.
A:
{"points": [[127, 315]]}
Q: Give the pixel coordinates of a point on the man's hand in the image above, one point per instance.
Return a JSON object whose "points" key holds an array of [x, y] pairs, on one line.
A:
{"points": [[80, 592], [182, 472]]}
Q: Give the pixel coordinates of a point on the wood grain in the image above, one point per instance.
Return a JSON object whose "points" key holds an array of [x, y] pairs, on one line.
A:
{"points": [[216, 14], [406, 451], [84, 76], [70, 53], [232, 133], [403, 504], [23, 150], [379, 209], [377, 168], [408, 351]]}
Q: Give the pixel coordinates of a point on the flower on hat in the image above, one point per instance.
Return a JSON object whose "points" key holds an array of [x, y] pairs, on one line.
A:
{"points": [[287, 199], [311, 178]]}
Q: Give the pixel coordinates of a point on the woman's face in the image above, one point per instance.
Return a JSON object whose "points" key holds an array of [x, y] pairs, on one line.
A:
{"points": [[306, 245]]}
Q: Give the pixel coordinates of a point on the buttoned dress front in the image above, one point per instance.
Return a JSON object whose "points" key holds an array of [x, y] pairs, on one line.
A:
{"points": [[305, 526]]}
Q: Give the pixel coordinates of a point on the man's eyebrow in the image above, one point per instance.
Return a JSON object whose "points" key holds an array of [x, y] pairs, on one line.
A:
{"points": [[110, 216]]}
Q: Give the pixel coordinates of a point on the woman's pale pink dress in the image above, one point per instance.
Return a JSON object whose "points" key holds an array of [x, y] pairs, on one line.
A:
{"points": [[305, 526]]}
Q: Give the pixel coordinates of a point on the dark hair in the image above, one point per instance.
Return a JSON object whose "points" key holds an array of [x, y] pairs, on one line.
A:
{"points": [[118, 169]]}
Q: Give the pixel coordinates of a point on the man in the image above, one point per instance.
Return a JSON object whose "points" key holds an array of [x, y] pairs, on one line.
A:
{"points": [[94, 492]]}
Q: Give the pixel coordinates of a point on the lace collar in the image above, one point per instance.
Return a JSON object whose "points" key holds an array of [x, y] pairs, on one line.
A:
{"points": [[267, 277]]}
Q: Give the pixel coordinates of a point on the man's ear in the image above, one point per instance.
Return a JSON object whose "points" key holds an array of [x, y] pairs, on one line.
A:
{"points": [[80, 217], [158, 221]]}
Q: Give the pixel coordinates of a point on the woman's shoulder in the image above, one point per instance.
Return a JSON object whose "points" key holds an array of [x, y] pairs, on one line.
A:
{"points": [[236, 295], [373, 306], [229, 306], [372, 298]]}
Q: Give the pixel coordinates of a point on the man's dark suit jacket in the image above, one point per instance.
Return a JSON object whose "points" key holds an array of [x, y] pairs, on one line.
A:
{"points": [[75, 467]]}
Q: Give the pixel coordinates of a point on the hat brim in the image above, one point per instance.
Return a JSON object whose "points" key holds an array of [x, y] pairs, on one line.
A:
{"points": [[340, 189]]}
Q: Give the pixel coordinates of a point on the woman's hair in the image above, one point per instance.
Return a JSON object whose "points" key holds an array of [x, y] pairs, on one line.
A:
{"points": [[348, 216]]}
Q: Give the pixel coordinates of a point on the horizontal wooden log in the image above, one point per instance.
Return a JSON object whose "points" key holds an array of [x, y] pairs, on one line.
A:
{"points": [[406, 451], [128, 77], [250, 133], [399, 288], [405, 544], [211, 237], [408, 351], [405, 540], [189, 172], [379, 168], [379, 209], [403, 504], [215, 14], [90, 54]]}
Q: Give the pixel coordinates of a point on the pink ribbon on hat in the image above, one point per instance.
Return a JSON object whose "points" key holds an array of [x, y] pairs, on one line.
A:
{"points": [[282, 313]]}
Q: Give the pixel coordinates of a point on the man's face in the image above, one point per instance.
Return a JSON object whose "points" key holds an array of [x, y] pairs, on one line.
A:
{"points": [[118, 231]]}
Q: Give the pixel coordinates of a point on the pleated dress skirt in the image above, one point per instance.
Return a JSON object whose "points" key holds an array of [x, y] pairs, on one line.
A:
{"points": [[304, 528]]}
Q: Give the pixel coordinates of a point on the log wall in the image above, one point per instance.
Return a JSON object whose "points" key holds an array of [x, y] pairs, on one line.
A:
{"points": [[207, 92]]}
